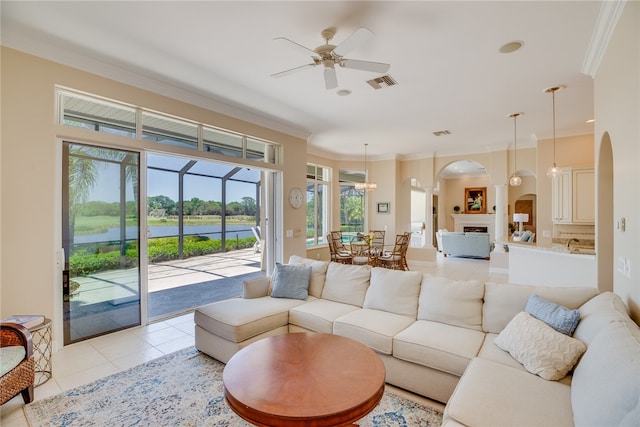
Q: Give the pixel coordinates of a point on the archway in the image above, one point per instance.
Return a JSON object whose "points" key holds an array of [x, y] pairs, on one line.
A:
{"points": [[452, 182], [604, 215]]}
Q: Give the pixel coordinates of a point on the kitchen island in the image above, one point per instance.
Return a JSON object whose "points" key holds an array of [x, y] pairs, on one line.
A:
{"points": [[553, 265]]}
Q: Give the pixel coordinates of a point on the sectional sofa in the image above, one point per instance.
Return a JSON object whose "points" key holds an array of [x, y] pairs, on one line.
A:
{"points": [[466, 244], [437, 338]]}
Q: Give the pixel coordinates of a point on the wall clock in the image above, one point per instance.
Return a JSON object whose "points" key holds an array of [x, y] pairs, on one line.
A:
{"points": [[296, 197]]}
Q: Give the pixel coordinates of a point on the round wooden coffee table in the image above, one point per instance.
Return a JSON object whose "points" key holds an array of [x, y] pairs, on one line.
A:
{"points": [[304, 379]]}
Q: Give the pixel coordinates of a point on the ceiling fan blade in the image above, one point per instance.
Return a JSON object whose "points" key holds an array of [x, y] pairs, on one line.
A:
{"points": [[376, 67], [356, 38], [292, 70], [286, 42], [330, 78]]}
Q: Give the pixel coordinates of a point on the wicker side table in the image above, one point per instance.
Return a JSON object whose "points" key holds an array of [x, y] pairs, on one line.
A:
{"points": [[42, 338]]}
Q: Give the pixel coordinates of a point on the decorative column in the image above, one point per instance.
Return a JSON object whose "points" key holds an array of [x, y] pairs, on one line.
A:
{"points": [[428, 218], [501, 217]]}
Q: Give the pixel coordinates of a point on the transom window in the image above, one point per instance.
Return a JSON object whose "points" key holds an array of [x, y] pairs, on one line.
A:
{"points": [[102, 115]]}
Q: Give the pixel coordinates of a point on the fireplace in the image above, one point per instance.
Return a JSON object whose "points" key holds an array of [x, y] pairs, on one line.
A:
{"points": [[475, 229], [475, 222]]}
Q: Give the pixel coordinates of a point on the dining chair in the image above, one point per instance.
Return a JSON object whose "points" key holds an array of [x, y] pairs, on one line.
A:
{"points": [[377, 241], [337, 238], [341, 256], [361, 251], [394, 259]]}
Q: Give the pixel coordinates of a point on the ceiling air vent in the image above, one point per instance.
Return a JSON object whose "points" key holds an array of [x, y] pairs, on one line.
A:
{"points": [[382, 81], [442, 132]]}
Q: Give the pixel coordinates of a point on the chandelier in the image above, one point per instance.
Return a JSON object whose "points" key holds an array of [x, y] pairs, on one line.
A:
{"points": [[366, 185], [515, 180], [553, 170]]}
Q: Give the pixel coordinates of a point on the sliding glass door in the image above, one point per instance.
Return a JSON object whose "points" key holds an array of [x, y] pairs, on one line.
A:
{"points": [[101, 236]]}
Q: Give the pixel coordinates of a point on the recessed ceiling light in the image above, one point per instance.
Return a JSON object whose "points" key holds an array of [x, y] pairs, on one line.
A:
{"points": [[343, 92], [511, 46]]}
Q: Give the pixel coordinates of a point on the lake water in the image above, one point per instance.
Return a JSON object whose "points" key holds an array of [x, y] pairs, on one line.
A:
{"points": [[211, 231]]}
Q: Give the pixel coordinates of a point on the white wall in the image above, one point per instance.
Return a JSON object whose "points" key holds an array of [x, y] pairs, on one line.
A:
{"points": [[30, 173], [617, 115]]}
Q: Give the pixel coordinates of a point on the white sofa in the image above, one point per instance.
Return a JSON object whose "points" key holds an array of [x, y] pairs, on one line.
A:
{"points": [[436, 338], [466, 244]]}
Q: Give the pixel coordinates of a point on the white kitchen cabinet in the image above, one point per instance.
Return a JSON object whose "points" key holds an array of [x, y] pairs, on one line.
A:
{"points": [[584, 209], [573, 197], [561, 197]]}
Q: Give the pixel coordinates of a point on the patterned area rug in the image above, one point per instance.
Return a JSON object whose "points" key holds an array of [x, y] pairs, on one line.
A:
{"points": [[182, 389]]}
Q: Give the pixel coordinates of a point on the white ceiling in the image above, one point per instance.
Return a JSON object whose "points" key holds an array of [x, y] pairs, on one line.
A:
{"points": [[444, 55]]}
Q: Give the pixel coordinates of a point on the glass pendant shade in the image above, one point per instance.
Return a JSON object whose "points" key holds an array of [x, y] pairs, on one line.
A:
{"points": [[553, 171], [515, 180]]}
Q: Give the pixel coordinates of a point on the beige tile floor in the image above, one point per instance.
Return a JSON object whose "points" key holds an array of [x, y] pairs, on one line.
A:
{"points": [[87, 361]]}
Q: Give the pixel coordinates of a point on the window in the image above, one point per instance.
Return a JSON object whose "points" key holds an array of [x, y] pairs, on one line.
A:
{"points": [[170, 131], [101, 115], [318, 178], [352, 202]]}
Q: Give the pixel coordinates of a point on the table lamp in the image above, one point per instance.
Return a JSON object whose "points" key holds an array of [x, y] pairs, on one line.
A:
{"points": [[520, 218]]}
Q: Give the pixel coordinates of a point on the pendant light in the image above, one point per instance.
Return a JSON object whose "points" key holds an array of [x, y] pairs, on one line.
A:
{"points": [[553, 171], [515, 180], [366, 185]]}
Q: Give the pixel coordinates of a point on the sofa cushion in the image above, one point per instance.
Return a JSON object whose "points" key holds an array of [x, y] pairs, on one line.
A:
{"points": [[597, 313], [437, 345], [373, 328], [558, 317], [491, 351], [318, 273], [10, 357], [606, 382], [492, 394], [239, 319], [319, 315], [394, 291], [291, 281], [346, 283], [256, 288], [541, 349], [453, 302], [503, 301]]}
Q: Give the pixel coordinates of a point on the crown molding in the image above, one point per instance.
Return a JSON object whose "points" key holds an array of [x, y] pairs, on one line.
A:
{"points": [[608, 17]]}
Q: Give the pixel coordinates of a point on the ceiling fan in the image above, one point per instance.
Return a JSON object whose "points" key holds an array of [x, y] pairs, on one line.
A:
{"points": [[329, 56]]}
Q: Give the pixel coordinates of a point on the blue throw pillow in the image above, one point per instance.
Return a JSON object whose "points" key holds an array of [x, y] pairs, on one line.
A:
{"points": [[558, 317], [290, 281]]}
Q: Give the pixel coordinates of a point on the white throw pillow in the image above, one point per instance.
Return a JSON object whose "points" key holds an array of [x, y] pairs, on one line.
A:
{"points": [[318, 273], [539, 348]]}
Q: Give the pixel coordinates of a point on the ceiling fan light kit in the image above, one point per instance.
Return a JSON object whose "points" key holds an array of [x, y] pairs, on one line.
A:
{"points": [[329, 56]]}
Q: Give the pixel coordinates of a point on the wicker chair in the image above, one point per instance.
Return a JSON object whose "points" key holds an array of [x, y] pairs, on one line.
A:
{"points": [[21, 377], [377, 242], [338, 255], [396, 259]]}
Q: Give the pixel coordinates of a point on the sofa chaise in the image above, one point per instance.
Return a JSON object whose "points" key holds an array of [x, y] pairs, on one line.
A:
{"points": [[437, 338]]}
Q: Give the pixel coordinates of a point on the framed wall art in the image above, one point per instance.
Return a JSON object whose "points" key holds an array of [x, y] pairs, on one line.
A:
{"points": [[476, 200], [383, 207]]}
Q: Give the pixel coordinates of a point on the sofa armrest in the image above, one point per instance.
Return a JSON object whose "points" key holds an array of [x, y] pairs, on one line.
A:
{"points": [[256, 288]]}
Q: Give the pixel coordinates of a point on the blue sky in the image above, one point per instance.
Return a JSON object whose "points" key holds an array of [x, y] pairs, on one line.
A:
{"points": [[166, 184]]}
